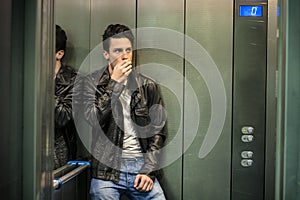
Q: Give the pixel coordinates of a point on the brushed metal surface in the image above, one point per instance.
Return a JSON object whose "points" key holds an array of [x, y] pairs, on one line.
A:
{"points": [[74, 18], [210, 23], [168, 14]]}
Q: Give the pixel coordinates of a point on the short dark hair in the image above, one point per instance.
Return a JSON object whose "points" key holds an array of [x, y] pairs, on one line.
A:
{"points": [[116, 31], [61, 39]]}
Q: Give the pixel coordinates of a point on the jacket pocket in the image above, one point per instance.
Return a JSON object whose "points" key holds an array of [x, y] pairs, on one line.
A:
{"points": [[141, 115]]}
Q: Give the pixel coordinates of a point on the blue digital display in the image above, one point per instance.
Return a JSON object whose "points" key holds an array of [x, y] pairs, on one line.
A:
{"points": [[251, 11]]}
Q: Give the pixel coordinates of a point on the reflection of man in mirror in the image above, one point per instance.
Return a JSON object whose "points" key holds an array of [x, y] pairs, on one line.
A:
{"points": [[65, 131], [126, 112]]}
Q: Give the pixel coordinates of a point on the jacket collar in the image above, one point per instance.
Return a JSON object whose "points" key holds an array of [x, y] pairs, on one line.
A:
{"points": [[64, 76]]}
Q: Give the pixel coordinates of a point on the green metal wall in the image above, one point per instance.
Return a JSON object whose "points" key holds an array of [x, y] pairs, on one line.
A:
{"points": [[291, 189], [26, 83], [11, 72]]}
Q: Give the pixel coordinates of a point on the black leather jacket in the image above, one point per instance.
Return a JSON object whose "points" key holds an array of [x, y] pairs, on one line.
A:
{"points": [[103, 110], [65, 131]]}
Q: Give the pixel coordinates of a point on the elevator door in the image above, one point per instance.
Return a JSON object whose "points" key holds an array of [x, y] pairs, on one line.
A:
{"points": [[203, 61], [187, 46]]}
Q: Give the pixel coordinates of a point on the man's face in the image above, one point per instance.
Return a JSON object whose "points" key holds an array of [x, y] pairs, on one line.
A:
{"points": [[119, 49]]}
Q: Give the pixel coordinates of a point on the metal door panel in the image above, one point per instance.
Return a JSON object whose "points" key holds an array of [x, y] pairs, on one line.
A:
{"points": [[210, 24], [167, 14], [103, 13], [77, 26], [271, 95]]}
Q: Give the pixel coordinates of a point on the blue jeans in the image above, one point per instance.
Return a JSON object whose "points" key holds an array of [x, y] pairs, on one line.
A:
{"points": [[108, 190]]}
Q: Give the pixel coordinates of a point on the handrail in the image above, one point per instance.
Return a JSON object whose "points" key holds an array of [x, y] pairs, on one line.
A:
{"points": [[62, 170], [79, 162], [82, 166]]}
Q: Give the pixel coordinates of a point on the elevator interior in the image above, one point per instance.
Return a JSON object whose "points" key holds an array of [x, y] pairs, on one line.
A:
{"points": [[238, 162], [217, 116]]}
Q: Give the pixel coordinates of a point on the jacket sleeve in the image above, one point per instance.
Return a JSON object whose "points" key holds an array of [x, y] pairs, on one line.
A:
{"points": [[157, 132], [98, 98], [63, 105]]}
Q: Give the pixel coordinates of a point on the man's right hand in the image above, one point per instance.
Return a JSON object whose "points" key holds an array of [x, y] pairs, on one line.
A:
{"points": [[121, 70]]}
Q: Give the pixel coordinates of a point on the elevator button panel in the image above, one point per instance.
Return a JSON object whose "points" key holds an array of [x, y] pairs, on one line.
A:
{"points": [[247, 138], [247, 154], [247, 130], [250, 67], [247, 162]]}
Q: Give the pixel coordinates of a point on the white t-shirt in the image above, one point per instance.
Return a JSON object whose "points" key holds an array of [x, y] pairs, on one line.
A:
{"points": [[131, 145]]}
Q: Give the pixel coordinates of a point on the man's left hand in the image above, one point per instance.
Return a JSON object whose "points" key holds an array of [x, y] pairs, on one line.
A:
{"points": [[143, 183]]}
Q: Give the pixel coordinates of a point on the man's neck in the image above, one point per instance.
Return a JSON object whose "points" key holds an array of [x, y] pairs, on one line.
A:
{"points": [[110, 69]]}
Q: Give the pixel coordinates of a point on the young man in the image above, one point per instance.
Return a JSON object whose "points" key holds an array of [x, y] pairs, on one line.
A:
{"points": [[65, 131], [126, 112]]}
